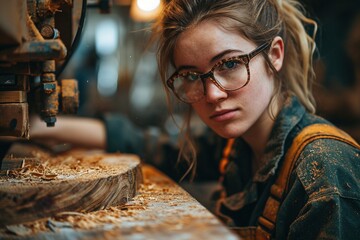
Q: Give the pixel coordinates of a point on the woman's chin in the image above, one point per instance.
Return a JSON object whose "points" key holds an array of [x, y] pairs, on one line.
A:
{"points": [[230, 133]]}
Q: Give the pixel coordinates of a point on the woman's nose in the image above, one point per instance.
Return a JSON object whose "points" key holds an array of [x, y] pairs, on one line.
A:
{"points": [[214, 93]]}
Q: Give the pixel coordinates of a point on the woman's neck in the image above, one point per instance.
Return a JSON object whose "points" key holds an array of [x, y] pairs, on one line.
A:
{"points": [[258, 135], [257, 138]]}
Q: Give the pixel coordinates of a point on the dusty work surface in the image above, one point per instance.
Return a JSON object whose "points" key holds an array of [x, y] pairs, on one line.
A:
{"points": [[161, 210], [47, 185]]}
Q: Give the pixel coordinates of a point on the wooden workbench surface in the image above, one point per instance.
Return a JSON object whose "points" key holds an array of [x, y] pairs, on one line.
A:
{"points": [[161, 210]]}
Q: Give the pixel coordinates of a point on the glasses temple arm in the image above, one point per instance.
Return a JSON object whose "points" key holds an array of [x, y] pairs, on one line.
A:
{"points": [[258, 50]]}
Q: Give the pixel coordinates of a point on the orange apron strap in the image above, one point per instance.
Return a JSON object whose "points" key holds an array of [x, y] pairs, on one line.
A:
{"points": [[226, 153], [280, 187]]}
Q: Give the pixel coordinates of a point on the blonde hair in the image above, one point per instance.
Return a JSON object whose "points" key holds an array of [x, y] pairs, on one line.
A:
{"points": [[259, 21]]}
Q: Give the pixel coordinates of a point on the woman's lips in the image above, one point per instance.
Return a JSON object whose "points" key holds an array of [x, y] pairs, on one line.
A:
{"points": [[223, 115]]}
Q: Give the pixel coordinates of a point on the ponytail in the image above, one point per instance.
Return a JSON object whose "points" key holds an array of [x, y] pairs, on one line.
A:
{"points": [[297, 72]]}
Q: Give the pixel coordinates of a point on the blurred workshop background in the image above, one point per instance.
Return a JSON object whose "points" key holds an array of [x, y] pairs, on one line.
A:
{"points": [[115, 67]]}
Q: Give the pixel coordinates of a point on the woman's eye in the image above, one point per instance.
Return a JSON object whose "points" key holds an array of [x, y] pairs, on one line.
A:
{"points": [[229, 65], [191, 77]]}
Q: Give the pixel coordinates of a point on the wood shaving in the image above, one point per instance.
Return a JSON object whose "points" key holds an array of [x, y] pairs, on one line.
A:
{"points": [[47, 167]]}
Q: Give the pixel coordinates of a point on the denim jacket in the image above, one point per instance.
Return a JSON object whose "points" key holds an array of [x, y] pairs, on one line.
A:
{"points": [[323, 201]]}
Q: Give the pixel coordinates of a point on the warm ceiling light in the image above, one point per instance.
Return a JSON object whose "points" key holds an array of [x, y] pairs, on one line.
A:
{"points": [[145, 10], [148, 5]]}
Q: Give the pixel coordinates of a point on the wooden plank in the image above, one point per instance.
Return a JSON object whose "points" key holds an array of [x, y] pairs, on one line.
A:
{"points": [[13, 97], [14, 120], [162, 210], [68, 183], [12, 163]]}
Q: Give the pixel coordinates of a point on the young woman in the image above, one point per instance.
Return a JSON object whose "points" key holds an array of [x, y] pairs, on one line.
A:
{"points": [[245, 68]]}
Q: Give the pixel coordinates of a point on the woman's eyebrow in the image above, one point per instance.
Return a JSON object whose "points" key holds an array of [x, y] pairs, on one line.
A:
{"points": [[219, 56], [185, 67], [214, 59]]}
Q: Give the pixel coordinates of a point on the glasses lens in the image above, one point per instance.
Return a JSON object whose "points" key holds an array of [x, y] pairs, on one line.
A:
{"points": [[231, 74], [188, 87]]}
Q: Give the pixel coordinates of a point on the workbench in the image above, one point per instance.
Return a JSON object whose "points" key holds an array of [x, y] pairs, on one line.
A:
{"points": [[160, 210]]}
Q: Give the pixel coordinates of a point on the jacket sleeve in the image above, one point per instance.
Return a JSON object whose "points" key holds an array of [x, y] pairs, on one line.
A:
{"points": [[161, 150], [329, 172], [122, 135]]}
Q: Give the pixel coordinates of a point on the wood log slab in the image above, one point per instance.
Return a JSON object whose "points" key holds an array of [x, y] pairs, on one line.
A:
{"points": [[161, 210], [82, 183]]}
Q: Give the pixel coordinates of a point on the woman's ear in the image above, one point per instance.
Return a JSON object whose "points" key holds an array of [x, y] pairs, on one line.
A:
{"points": [[276, 53]]}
